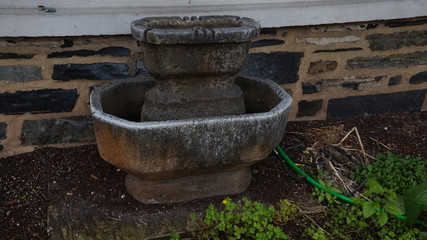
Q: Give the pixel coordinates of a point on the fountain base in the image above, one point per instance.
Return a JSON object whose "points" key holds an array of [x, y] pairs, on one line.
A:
{"points": [[189, 187]]}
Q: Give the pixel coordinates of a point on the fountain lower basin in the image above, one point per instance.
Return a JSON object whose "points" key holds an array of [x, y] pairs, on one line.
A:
{"points": [[179, 160]]}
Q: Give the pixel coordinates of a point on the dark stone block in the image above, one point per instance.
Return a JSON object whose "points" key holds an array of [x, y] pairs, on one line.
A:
{"points": [[268, 31], [418, 78], [281, 67], [351, 85], [358, 106], [94, 71], [111, 51], [405, 23], [38, 101], [341, 28], [67, 43], [266, 42], [310, 88], [67, 54], [140, 68], [322, 66], [53, 131], [371, 26], [1, 147], [309, 108], [3, 127], [339, 50], [20, 73], [392, 61], [395, 80], [114, 51], [378, 78], [380, 42], [16, 56]]}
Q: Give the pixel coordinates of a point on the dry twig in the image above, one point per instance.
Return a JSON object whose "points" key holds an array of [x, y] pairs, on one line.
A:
{"points": [[380, 143], [311, 219], [354, 129], [361, 145], [347, 188]]}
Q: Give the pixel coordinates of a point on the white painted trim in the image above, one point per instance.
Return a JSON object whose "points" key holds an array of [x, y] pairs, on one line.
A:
{"points": [[110, 17], [152, 3]]}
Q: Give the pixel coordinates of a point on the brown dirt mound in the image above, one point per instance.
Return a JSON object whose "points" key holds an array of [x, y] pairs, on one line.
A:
{"points": [[24, 179]]}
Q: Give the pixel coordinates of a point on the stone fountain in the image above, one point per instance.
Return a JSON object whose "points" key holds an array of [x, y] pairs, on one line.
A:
{"points": [[196, 128]]}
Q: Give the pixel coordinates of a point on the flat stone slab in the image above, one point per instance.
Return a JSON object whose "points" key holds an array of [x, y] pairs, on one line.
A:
{"points": [[72, 217]]}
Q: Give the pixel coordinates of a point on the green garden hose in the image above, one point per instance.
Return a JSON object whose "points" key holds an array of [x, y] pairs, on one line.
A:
{"points": [[279, 151]]}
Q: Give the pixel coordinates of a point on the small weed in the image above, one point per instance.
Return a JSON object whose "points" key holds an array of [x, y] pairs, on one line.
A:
{"points": [[394, 172], [384, 199], [371, 217], [241, 220], [346, 222], [388, 192], [287, 212], [174, 236], [415, 202], [316, 233], [323, 195], [396, 229]]}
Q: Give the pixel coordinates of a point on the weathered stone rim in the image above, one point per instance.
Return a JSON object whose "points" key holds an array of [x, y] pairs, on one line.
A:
{"points": [[98, 113], [190, 30]]}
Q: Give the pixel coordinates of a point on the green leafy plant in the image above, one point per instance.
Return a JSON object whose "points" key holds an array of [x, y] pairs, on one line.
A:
{"points": [[396, 229], [394, 172], [174, 236], [316, 233], [415, 202], [346, 222], [389, 177], [287, 212], [383, 201], [400, 188], [241, 220], [323, 195]]}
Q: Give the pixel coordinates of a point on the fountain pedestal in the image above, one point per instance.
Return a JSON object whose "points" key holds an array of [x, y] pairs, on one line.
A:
{"points": [[194, 61], [188, 97]]}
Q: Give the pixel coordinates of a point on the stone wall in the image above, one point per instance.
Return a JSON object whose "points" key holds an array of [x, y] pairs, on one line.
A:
{"points": [[332, 71]]}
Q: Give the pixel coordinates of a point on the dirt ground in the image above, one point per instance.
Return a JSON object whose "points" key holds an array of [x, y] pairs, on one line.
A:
{"points": [[24, 179]]}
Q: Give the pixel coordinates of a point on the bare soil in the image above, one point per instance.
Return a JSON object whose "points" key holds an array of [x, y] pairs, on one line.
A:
{"points": [[24, 178]]}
